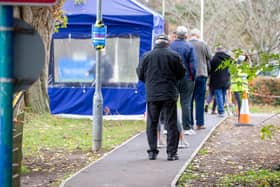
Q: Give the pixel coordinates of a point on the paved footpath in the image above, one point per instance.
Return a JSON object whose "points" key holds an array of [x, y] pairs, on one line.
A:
{"points": [[128, 165]]}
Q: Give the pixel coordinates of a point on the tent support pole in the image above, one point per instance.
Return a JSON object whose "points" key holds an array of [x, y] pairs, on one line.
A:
{"points": [[201, 18], [163, 8]]}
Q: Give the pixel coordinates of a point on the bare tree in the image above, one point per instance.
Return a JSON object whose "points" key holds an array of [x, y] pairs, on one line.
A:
{"points": [[43, 20], [247, 24], [261, 23]]}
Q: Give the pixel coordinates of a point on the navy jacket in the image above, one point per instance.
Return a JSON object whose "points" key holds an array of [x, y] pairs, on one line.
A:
{"points": [[187, 53]]}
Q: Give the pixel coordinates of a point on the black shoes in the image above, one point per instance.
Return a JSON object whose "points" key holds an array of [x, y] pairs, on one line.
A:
{"points": [[152, 155], [206, 108], [172, 157]]}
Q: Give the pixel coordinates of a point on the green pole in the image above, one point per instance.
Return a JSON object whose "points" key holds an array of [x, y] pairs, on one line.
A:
{"points": [[6, 95]]}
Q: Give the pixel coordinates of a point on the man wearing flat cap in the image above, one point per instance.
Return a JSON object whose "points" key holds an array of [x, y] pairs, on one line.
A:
{"points": [[160, 69]]}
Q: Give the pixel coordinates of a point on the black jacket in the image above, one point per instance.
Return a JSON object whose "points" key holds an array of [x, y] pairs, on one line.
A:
{"points": [[219, 79], [160, 69]]}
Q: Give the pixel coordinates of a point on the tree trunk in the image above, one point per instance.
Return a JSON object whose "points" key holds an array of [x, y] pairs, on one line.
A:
{"points": [[42, 20]]}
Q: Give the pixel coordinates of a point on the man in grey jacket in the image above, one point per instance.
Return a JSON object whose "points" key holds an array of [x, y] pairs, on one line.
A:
{"points": [[203, 55]]}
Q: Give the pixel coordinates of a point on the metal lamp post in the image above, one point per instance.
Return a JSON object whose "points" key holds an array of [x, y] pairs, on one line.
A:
{"points": [[99, 43]]}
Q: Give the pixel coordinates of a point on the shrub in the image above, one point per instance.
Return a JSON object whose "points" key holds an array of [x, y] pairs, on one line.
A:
{"points": [[264, 90]]}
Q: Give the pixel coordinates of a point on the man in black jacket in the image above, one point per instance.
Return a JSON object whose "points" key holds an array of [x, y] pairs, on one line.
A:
{"points": [[160, 69]]}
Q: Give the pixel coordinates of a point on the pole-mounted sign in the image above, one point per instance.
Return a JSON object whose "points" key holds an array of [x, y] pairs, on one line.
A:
{"points": [[28, 2], [99, 35]]}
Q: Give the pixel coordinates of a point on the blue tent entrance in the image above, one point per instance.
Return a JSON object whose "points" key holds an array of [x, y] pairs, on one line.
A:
{"points": [[131, 28]]}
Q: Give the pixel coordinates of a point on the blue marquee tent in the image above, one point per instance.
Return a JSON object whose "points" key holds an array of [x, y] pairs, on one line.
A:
{"points": [[126, 19]]}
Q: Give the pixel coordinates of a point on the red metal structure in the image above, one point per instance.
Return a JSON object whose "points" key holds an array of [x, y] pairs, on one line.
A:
{"points": [[28, 2]]}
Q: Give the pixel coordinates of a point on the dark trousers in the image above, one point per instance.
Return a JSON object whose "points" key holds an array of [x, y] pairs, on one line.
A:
{"points": [[185, 88], [238, 100], [169, 110]]}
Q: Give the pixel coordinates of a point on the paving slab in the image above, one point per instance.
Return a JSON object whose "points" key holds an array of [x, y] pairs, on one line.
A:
{"points": [[128, 164]]}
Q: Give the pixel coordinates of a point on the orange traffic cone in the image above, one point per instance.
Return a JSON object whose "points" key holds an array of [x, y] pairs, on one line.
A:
{"points": [[244, 118]]}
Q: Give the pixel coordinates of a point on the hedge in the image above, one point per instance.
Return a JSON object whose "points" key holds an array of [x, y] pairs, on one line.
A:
{"points": [[265, 90]]}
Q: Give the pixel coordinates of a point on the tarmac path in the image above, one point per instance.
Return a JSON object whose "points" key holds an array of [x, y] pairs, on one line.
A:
{"points": [[128, 164]]}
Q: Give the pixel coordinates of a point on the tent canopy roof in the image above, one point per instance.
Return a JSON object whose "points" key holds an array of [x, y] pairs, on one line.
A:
{"points": [[124, 11], [123, 18]]}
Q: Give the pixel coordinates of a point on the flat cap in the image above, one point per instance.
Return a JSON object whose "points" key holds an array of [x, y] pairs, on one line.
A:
{"points": [[162, 37]]}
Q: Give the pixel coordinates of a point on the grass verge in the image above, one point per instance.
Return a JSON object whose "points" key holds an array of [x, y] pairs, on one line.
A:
{"points": [[48, 140], [252, 178], [262, 177], [187, 176], [264, 109], [45, 131]]}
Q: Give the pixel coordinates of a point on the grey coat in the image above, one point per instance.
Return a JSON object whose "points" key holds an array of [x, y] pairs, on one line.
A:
{"points": [[203, 55]]}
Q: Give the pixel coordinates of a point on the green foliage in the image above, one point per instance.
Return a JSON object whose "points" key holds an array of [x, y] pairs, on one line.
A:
{"points": [[268, 130], [61, 22], [251, 68], [24, 170], [203, 151], [246, 68], [261, 178], [190, 174], [187, 176], [44, 131], [265, 57], [260, 88]]}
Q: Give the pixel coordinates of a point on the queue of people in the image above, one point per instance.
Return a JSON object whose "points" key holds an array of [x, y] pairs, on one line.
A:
{"points": [[180, 66]]}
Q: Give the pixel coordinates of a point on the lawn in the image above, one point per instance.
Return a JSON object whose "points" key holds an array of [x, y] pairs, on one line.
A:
{"points": [[264, 108], [45, 131], [54, 148]]}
